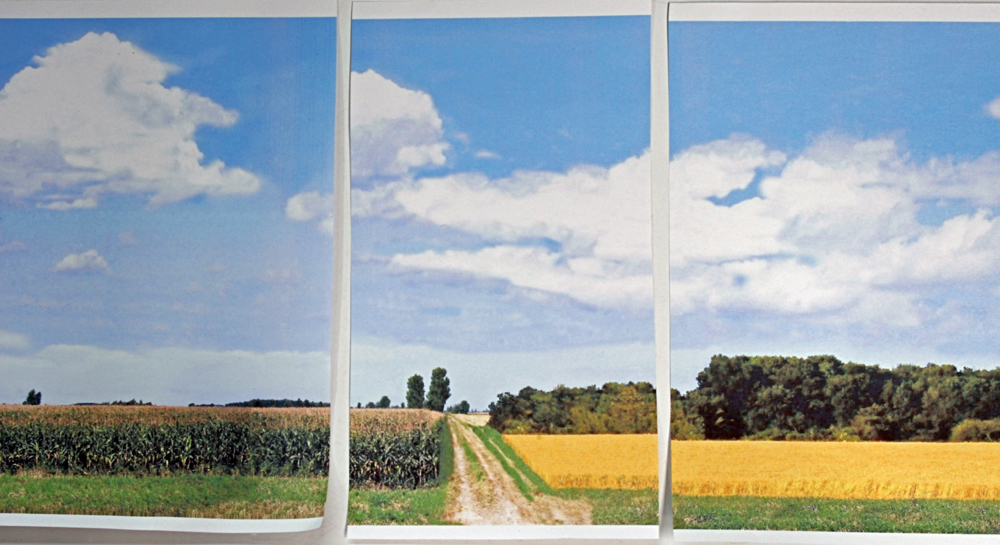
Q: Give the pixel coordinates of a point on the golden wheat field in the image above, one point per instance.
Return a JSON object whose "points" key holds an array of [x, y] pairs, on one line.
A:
{"points": [[841, 470], [590, 461]]}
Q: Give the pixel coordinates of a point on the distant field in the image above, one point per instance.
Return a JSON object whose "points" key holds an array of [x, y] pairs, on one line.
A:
{"points": [[838, 470], [111, 415], [624, 461]]}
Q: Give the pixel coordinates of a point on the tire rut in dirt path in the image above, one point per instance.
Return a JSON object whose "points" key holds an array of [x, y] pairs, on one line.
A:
{"points": [[495, 499]]}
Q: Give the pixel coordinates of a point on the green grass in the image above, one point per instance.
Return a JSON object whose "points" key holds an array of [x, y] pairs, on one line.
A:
{"points": [[617, 507], [474, 467], [492, 436], [216, 496], [423, 506], [827, 515], [446, 461]]}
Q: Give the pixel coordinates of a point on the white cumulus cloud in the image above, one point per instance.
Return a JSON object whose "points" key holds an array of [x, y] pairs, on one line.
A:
{"points": [[93, 116], [600, 220], [310, 206], [393, 130], [993, 108], [84, 262], [835, 234]]}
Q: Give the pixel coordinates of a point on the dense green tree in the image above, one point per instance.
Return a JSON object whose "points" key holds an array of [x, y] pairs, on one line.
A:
{"points": [[614, 408], [34, 398], [415, 392], [383, 403], [682, 425], [439, 390], [820, 397]]}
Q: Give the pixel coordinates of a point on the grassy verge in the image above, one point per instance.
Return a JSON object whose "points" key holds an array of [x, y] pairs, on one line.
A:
{"points": [[216, 496], [813, 514], [617, 507], [446, 461], [423, 506]]}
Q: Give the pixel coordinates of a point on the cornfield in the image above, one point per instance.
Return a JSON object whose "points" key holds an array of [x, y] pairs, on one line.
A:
{"points": [[113, 415], [841, 470], [161, 440], [621, 461], [395, 448]]}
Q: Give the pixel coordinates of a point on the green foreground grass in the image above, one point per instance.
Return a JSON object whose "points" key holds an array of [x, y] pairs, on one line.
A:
{"points": [[422, 506], [617, 507], [215, 496], [827, 515]]}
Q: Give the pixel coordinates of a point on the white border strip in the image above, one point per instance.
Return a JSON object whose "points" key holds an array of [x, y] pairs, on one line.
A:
{"points": [[424, 534], [468, 9], [98, 9], [845, 12], [340, 374], [161, 524], [659, 170]]}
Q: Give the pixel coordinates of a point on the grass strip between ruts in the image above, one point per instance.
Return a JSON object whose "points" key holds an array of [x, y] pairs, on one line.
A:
{"points": [[518, 480], [491, 435], [477, 470]]}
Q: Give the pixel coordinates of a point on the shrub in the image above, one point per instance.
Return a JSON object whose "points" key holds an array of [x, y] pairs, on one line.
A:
{"points": [[976, 430]]}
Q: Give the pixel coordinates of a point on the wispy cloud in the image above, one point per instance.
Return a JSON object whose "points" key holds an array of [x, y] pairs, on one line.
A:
{"points": [[84, 262]]}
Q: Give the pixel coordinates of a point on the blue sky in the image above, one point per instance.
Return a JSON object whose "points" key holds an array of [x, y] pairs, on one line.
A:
{"points": [[149, 246], [500, 188], [834, 190]]}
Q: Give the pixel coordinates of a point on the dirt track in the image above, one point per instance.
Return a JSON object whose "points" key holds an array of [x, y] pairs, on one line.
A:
{"points": [[494, 498]]}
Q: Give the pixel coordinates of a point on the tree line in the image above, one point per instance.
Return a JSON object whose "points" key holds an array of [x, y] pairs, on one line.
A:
{"points": [[436, 396], [820, 397], [613, 408]]}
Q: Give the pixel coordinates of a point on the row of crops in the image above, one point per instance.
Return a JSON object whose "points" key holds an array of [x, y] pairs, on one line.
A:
{"points": [[395, 448], [156, 441]]}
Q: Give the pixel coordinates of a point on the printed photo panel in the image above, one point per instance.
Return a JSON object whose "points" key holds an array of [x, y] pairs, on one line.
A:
{"points": [[834, 264], [502, 356], [166, 266]]}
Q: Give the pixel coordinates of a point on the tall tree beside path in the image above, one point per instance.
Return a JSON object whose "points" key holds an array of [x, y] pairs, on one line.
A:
{"points": [[439, 391], [415, 392]]}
